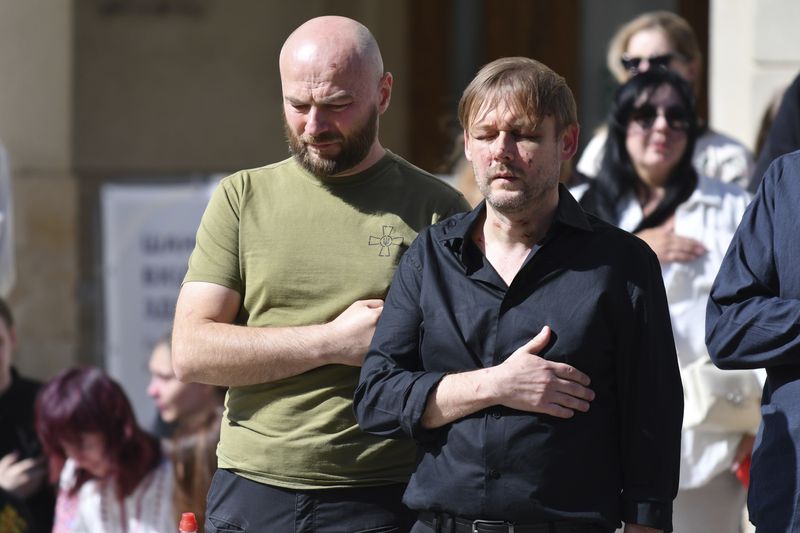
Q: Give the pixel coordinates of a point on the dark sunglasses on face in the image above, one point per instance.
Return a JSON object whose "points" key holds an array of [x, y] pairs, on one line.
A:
{"points": [[645, 116], [631, 63]]}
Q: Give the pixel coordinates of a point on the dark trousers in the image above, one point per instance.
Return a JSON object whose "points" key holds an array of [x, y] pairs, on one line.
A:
{"points": [[239, 504]]}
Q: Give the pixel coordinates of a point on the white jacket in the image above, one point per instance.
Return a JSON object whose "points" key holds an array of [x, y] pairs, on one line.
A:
{"points": [[711, 216]]}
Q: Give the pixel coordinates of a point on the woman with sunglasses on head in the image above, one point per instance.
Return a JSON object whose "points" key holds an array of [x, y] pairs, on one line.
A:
{"points": [[647, 183], [114, 476], [663, 40]]}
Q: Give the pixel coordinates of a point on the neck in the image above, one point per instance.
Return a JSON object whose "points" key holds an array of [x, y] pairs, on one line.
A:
{"points": [[651, 178], [524, 227], [650, 197], [506, 239]]}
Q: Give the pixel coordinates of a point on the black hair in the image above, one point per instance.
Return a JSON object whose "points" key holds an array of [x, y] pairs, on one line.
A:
{"points": [[618, 177]]}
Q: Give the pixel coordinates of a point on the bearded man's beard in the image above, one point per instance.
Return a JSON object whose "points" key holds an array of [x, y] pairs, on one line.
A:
{"points": [[353, 149]]}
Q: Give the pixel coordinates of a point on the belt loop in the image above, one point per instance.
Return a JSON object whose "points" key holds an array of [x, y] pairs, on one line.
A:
{"points": [[436, 523], [450, 522]]}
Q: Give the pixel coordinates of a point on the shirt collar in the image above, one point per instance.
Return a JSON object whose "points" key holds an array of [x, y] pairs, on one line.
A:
{"points": [[568, 213]]}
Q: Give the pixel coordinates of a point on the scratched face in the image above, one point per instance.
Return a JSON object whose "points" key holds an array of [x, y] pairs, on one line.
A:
{"points": [[516, 160]]}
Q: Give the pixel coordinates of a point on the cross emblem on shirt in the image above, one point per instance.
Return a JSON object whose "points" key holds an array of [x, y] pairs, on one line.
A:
{"points": [[385, 241]]}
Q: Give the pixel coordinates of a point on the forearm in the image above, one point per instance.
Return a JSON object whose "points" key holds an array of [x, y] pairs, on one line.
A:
{"points": [[231, 355], [207, 347], [758, 332], [524, 381], [457, 396]]}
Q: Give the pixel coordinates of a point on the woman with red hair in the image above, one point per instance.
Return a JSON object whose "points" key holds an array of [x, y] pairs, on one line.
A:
{"points": [[114, 476]]}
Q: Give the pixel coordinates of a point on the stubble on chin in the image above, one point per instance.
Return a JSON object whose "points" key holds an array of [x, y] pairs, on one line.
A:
{"points": [[523, 198]]}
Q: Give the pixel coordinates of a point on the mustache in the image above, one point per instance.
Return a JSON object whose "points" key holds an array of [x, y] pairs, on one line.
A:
{"points": [[502, 169], [321, 138]]}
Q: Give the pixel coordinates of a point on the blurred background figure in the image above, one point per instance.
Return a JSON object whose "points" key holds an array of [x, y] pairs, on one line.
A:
{"points": [[191, 412], [784, 133], [23, 472], [7, 267], [649, 186], [664, 40], [183, 406], [193, 453], [113, 475]]}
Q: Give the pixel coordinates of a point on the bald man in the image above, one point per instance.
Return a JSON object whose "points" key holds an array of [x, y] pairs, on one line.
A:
{"points": [[285, 287]]}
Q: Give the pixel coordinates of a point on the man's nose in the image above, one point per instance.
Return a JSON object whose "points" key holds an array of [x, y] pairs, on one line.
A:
{"points": [[502, 146], [316, 121]]}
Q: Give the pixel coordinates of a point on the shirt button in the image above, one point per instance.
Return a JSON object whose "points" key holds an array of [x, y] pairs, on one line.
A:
{"points": [[494, 474], [496, 414]]}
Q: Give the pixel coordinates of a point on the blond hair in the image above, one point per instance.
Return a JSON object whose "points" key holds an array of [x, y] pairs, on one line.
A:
{"points": [[527, 86], [680, 35]]}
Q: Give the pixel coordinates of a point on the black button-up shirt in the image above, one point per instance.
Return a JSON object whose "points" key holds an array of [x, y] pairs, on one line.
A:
{"points": [[600, 290]]}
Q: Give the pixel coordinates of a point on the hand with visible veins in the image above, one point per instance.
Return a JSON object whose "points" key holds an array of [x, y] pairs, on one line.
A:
{"points": [[353, 330], [528, 382], [670, 247]]}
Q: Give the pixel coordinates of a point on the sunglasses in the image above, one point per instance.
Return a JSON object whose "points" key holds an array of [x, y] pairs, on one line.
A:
{"points": [[631, 63], [676, 116]]}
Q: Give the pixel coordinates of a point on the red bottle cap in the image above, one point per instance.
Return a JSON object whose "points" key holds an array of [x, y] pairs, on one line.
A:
{"points": [[188, 523]]}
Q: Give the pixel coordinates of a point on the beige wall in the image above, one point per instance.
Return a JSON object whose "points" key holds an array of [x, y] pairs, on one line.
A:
{"points": [[187, 92], [755, 50], [35, 125]]}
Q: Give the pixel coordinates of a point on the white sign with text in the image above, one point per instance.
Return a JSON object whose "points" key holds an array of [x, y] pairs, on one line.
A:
{"points": [[148, 235]]}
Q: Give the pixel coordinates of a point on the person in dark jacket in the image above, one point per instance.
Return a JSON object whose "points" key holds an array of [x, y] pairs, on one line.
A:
{"points": [[753, 321], [23, 473], [784, 134]]}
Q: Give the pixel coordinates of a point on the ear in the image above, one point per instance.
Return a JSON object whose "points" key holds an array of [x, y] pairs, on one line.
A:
{"points": [[385, 92], [569, 141], [467, 152]]}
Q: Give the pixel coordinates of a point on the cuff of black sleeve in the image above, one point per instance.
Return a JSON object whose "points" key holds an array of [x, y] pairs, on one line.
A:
{"points": [[418, 401], [657, 515]]}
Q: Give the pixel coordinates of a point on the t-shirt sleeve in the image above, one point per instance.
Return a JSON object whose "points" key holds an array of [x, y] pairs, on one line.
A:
{"points": [[215, 258]]}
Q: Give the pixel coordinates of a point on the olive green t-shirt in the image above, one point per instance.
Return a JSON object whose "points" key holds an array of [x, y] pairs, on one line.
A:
{"points": [[300, 250]]}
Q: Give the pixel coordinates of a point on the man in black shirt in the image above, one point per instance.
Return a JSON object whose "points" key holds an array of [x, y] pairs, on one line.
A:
{"points": [[526, 345]]}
